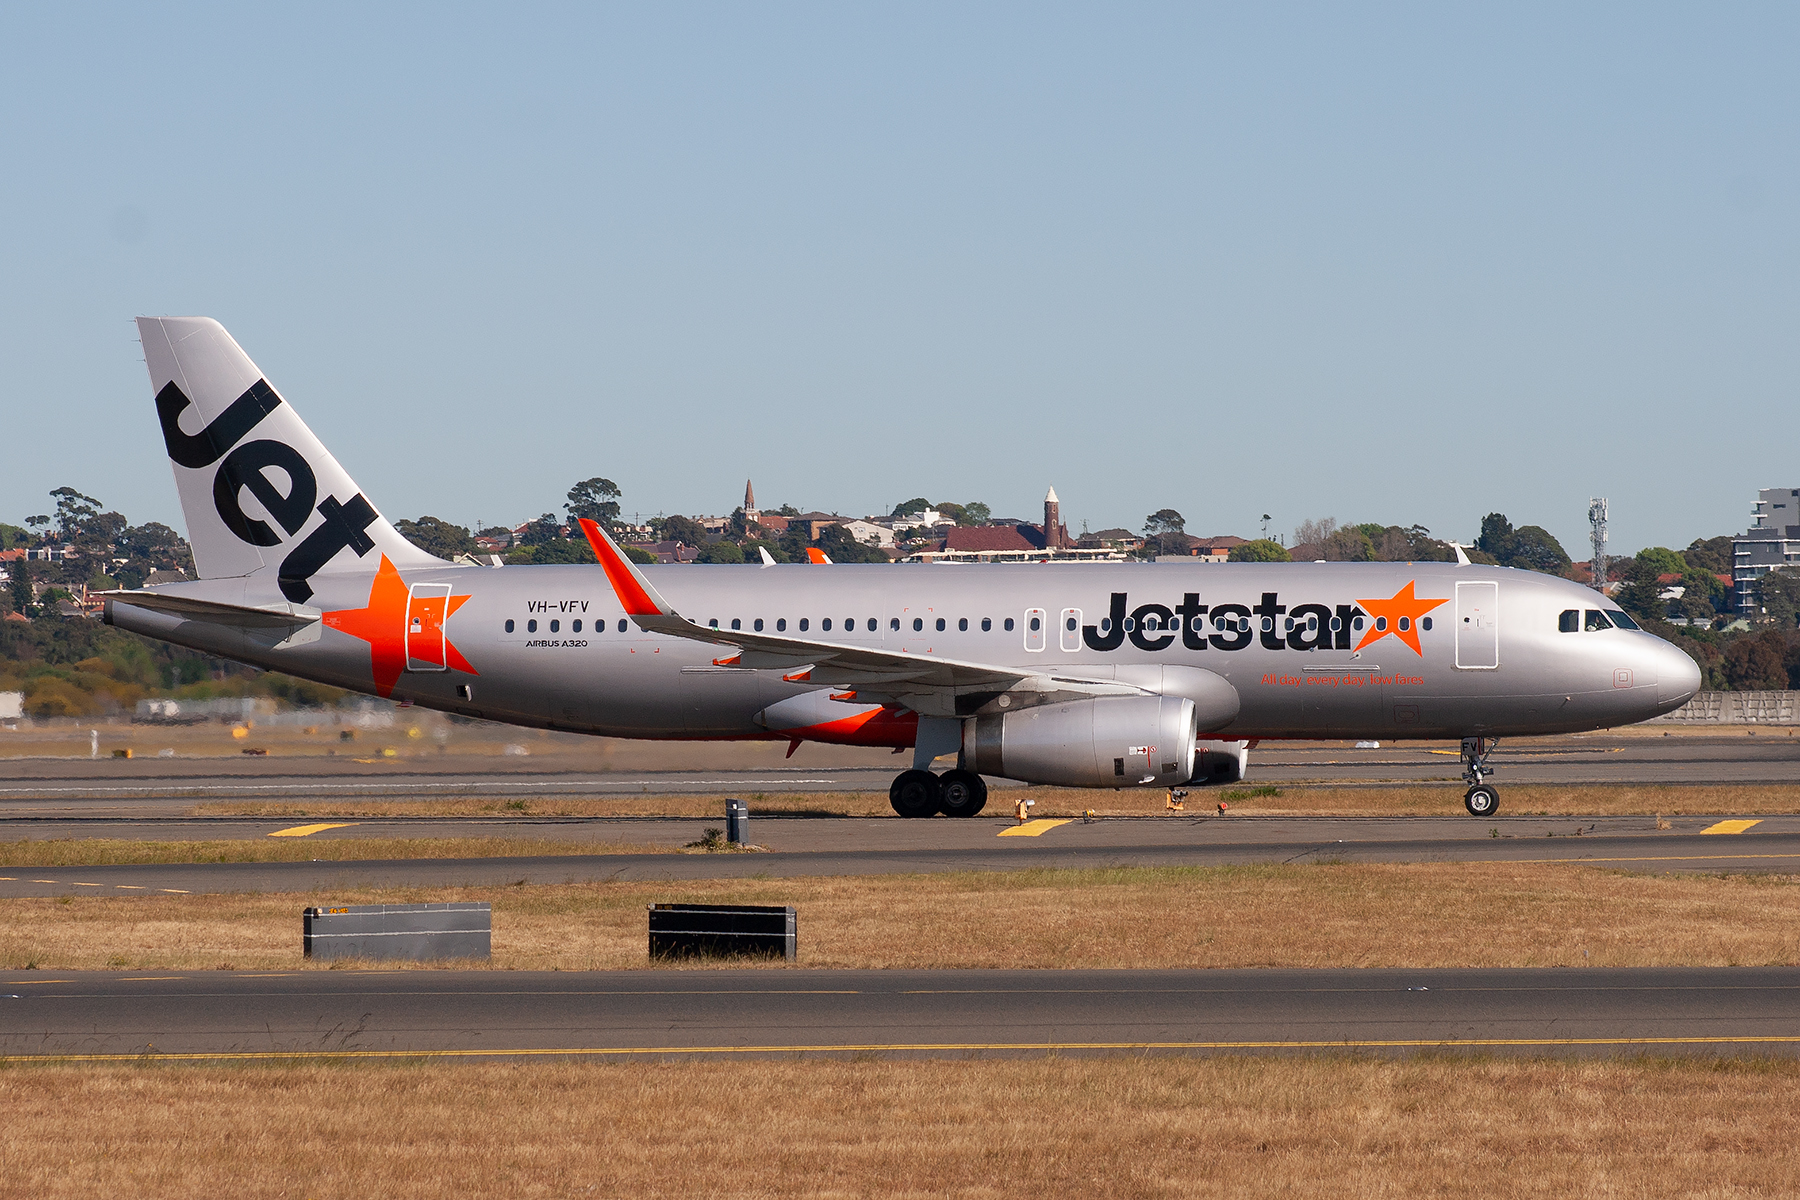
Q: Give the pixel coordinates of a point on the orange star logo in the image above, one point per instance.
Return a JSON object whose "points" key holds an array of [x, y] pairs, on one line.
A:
{"points": [[1398, 615], [400, 626]]}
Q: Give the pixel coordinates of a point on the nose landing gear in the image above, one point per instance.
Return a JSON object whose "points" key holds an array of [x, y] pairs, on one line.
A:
{"points": [[954, 793], [1482, 799]]}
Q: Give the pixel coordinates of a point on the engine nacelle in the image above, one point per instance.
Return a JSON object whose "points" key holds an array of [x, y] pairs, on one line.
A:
{"points": [[1106, 742]]}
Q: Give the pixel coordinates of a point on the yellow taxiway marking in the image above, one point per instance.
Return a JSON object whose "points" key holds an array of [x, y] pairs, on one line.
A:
{"points": [[78, 883], [43, 881], [1731, 826], [177, 891], [305, 830], [1037, 828], [36, 982], [131, 887], [916, 1047], [149, 978]]}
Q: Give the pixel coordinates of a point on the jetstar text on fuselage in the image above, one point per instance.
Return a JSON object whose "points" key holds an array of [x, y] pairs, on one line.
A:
{"points": [[1268, 623]]}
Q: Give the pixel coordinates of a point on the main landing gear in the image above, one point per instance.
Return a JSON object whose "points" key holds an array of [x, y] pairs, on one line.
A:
{"points": [[954, 793], [1482, 799]]}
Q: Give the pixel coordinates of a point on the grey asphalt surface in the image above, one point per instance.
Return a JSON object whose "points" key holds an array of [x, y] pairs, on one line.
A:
{"points": [[170, 787], [683, 1014], [855, 846]]}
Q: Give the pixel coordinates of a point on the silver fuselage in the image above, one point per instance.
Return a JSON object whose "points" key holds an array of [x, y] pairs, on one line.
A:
{"points": [[1492, 661]]}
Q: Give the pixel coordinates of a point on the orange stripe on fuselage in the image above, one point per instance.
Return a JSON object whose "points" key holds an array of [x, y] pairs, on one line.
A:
{"points": [[618, 572]]}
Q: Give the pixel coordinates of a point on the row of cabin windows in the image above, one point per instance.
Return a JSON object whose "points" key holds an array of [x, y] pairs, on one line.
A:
{"points": [[531, 626], [1571, 620], [1568, 623]]}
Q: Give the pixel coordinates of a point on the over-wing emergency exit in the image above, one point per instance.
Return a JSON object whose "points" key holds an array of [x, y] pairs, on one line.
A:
{"points": [[1083, 675]]}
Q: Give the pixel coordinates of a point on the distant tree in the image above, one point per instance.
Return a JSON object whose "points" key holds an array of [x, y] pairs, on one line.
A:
{"points": [[75, 514], [1779, 594], [1705, 585], [1653, 561], [755, 545], [21, 586], [636, 555], [684, 530], [1757, 664], [12, 535], [1710, 554], [787, 510], [153, 546], [1260, 550], [1643, 601], [975, 513], [555, 550], [721, 552], [838, 542], [1348, 544], [436, 536], [737, 526], [546, 528], [596, 499], [1164, 520], [1535, 549], [955, 512], [907, 508], [1496, 537], [494, 531]]}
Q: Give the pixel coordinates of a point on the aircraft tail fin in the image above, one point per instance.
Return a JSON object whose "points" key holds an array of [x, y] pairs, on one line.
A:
{"points": [[260, 494]]}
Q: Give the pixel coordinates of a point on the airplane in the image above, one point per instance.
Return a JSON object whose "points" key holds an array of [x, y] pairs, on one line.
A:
{"points": [[1085, 675]]}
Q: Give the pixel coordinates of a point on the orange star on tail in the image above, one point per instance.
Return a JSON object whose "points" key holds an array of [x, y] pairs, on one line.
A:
{"points": [[384, 623], [1398, 615]]}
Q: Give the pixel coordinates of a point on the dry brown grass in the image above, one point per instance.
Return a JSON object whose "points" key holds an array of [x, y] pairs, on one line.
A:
{"points": [[67, 852], [1117, 1127], [1328, 915], [1249, 799]]}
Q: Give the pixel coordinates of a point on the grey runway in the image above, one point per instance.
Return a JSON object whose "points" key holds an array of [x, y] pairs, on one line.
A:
{"points": [[740, 1013], [171, 787], [850, 846]]}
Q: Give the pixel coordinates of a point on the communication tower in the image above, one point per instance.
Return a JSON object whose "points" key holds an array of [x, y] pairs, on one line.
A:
{"points": [[1597, 520]]}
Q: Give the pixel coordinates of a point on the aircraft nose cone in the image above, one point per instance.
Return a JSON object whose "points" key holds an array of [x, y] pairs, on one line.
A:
{"points": [[1677, 678]]}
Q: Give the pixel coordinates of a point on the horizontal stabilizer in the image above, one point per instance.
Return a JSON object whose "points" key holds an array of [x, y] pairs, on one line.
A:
{"points": [[189, 608]]}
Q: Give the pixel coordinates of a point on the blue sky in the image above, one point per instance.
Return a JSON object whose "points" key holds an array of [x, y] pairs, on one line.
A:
{"points": [[1380, 263]]}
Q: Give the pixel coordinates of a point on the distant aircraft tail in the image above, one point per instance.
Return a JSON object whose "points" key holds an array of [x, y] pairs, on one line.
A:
{"points": [[259, 492]]}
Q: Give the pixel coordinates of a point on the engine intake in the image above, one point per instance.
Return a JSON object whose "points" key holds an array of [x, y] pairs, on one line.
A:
{"points": [[1109, 741]]}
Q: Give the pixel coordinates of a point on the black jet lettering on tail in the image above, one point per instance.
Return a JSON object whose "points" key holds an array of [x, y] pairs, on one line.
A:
{"points": [[196, 450], [342, 529], [245, 467], [1114, 636]]}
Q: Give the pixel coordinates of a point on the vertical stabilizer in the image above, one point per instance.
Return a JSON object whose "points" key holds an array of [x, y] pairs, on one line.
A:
{"points": [[260, 494]]}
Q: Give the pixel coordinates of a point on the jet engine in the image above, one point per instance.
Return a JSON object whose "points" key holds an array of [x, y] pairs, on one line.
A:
{"points": [[1109, 741]]}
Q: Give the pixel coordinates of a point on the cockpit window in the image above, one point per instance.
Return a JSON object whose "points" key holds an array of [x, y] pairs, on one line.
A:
{"points": [[1596, 620], [1570, 621], [1620, 619]]}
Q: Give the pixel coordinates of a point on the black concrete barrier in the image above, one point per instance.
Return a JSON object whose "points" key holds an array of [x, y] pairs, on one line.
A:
{"points": [[721, 930], [411, 931]]}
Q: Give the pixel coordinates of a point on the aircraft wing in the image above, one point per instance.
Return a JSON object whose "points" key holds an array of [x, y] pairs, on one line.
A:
{"points": [[190, 608], [927, 684]]}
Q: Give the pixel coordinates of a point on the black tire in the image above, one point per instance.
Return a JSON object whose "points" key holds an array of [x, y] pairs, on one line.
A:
{"points": [[961, 793], [1482, 800], [914, 793]]}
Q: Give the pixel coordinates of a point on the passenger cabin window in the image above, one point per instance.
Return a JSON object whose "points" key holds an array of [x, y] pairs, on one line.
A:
{"points": [[531, 625], [1570, 621], [918, 624], [780, 624], [758, 625], [621, 624], [1596, 620], [962, 624], [987, 624], [893, 623], [803, 624], [576, 625], [737, 622], [940, 624], [824, 626], [872, 625], [509, 625], [555, 626], [1009, 625], [713, 623]]}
